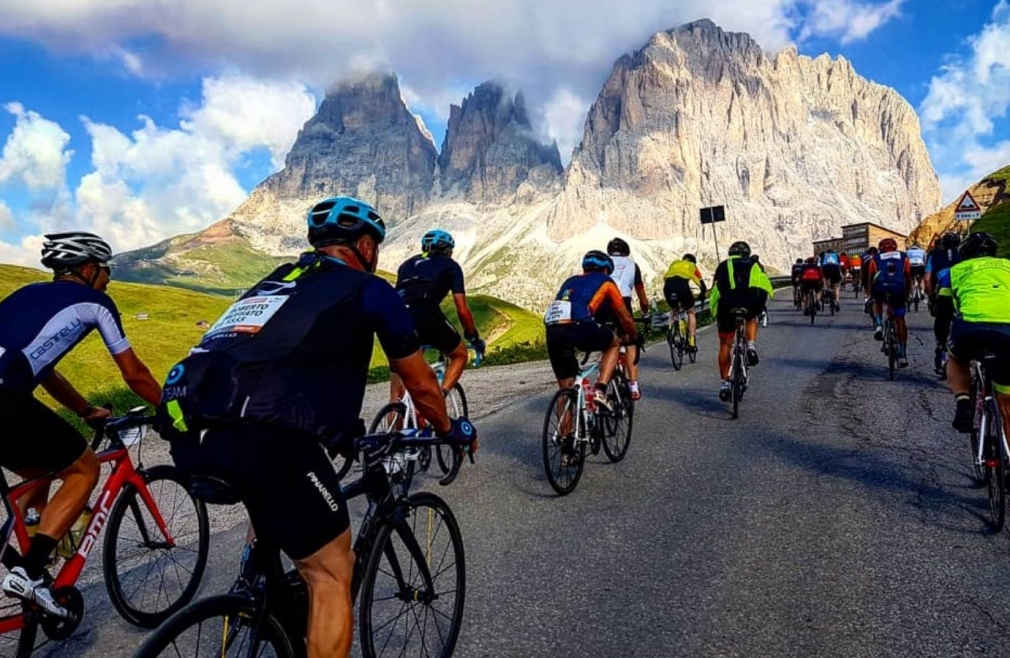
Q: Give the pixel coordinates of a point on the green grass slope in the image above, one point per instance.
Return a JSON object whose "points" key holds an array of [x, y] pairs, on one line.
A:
{"points": [[996, 221]]}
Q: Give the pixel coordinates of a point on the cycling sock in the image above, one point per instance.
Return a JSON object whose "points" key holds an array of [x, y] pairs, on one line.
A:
{"points": [[961, 396], [35, 559], [901, 349], [752, 344], [878, 320]]}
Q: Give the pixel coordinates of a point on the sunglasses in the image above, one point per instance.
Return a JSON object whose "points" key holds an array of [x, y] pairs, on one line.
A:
{"points": [[106, 268]]}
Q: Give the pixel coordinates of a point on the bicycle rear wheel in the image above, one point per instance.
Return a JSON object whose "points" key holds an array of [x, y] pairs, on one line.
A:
{"points": [[224, 626], [455, 405], [737, 381], [19, 640], [675, 341], [564, 455], [977, 466], [890, 345], [147, 579], [995, 467], [401, 612], [618, 425]]}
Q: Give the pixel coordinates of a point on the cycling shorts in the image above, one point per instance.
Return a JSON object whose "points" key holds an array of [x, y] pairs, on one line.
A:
{"points": [[678, 294], [433, 328], [285, 479], [833, 273], [564, 340], [973, 340], [753, 302], [50, 443], [919, 271], [811, 285], [897, 302]]}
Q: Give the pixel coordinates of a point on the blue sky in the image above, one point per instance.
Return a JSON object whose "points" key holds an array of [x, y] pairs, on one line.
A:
{"points": [[141, 121]]}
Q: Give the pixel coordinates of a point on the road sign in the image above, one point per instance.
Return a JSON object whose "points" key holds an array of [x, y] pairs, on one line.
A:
{"points": [[713, 214], [967, 208]]}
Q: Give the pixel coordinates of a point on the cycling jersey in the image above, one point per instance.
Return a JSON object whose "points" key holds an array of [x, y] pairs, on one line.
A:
{"points": [[626, 275], [428, 278], [831, 258], [293, 352], [943, 285], [941, 259], [797, 270], [684, 269], [856, 262], [588, 297], [42, 322], [981, 288], [888, 274], [844, 259], [736, 278], [811, 272], [916, 256]]}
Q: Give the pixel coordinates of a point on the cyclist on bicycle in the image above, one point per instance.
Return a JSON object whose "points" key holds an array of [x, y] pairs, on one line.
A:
{"points": [[422, 282], [843, 259], [795, 278], [811, 279], [628, 277], [981, 288], [917, 262], [855, 267], [831, 266], [575, 322], [39, 325], [864, 282], [737, 283], [281, 375], [678, 294], [941, 297], [890, 275]]}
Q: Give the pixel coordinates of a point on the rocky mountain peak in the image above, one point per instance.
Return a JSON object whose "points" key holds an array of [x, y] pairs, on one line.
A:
{"points": [[490, 148]]}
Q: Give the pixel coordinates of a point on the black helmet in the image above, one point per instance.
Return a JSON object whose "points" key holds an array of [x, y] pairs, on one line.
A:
{"points": [[754, 257], [799, 261], [740, 248], [596, 260], [950, 241], [618, 247], [690, 258], [978, 244]]}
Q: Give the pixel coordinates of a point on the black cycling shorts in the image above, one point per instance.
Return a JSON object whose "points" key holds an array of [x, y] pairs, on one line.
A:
{"points": [[811, 285], [678, 294], [973, 340], [286, 481], [833, 273], [918, 271], [564, 340], [46, 441], [754, 302], [433, 328]]}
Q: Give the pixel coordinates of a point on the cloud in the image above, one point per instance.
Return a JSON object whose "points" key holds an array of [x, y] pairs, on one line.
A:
{"points": [[564, 117], [34, 153], [847, 20], [26, 252], [6, 218], [963, 99]]}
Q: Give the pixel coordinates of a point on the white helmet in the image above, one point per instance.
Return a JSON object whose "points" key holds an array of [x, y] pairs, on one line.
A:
{"points": [[63, 250]]}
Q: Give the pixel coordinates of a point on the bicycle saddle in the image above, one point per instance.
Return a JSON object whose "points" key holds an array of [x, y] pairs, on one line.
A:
{"points": [[212, 490], [739, 312]]}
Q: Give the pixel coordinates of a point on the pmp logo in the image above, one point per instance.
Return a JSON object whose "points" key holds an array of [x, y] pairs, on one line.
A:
{"points": [[175, 374]]}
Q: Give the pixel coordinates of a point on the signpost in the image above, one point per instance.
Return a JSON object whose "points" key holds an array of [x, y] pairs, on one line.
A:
{"points": [[711, 215], [967, 208]]}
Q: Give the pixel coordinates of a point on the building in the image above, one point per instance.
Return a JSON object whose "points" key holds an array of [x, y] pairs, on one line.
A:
{"points": [[857, 238], [828, 245]]}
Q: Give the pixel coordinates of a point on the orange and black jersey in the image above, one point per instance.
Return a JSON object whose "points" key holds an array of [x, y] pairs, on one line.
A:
{"points": [[592, 296]]}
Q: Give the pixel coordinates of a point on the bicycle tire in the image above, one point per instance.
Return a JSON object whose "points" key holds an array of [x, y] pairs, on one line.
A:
{"points": [[974, 392], [996, 468], [616, 442], [737, 369], [676, 349], [23, 644], [413, 591], [566, 398], [889, 342], [165, 640], [832, 303], [116, 564], [812, 306], [455, 404]]}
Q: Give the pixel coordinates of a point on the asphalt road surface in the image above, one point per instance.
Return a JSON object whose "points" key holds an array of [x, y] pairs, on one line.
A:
{"points": [[836, 517]]}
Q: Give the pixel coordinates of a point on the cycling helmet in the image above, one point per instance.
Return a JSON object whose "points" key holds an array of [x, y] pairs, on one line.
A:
{"points": [[872, 251], [618, 247], [741, 249], [799, 261], [978, 244], [67, 250], [811, 260], [690, 258], [754, 257], [438, 240], [596, 260], [343, 219], [888, 244], [950, 241]]}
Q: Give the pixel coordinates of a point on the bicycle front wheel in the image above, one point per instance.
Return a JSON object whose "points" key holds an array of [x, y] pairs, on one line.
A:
{"points": [[455, 405], [737, 381], [564, 455], [995, 467], [19, 640], [618, 425], [225, 626], [414, 585], [147, 577]]}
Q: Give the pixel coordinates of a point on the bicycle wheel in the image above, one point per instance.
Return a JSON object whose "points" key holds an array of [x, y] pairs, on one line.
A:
{"points": [[20, 640], [737, 381], [892, 352], [977, 466], [564, 455], [831, 303], [147, 579], [401, 612], [224, 626], [995, 468], [675, 340], [619, 424], [812, 306], [455, 404]]}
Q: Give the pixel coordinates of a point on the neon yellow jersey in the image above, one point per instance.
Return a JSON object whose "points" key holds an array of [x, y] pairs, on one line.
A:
{"points": [[684, 269], [982, 289]]}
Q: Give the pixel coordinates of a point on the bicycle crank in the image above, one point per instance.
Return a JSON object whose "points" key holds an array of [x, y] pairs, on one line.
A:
{"points": [[60, 628]]}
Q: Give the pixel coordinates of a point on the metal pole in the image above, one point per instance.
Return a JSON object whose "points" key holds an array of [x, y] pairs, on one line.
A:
{"points": [[715, 236]]}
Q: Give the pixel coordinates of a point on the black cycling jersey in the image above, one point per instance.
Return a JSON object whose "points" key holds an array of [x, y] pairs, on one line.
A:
{"points": [[294, 351], [40, 323], [428, 278]]}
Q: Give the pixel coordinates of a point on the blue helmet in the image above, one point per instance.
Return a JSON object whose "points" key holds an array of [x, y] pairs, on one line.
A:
{"points": [[343, 219], [437, 239], [597, 260]]}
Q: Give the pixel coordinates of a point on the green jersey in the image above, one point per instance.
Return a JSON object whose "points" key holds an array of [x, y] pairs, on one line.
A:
{"points": [[981, 289]]}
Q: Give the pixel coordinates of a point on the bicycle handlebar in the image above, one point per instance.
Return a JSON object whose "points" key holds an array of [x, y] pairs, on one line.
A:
{"points": [[111, 427], [378, 446]]}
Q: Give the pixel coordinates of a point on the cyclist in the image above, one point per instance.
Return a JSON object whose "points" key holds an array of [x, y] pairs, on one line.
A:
{"points": [[811, 277], [422, 282], [678, 294], [281, 375], [39, 325], [737, 283], [575, 321], [855, 267], [843, 259], [890, 275], [870, 253], [917, 261], [831, 266], [941, 302], [795, 278], [628, 277], [981, 289]]}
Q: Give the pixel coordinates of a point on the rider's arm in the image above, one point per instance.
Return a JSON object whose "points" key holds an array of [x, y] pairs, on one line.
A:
{"points": [[65, 393], [137, 376], [465, 316], [701, 284], [908, 276], [643, 299]]}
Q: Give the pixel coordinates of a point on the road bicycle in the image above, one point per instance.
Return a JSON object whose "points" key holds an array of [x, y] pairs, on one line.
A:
{"points": [[403, 415], [409, 577], [574, 425], [890, 345], [990, 452], [810, 306], [856, 282], [738, 365], [677, 339], [829, 299], [154, 553], [917, 294]]}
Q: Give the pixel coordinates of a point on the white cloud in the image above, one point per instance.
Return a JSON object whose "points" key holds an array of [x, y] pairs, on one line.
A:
{"points": [[34, 153], [6, 218], [847, 20], [565, 116], [27, 252]]}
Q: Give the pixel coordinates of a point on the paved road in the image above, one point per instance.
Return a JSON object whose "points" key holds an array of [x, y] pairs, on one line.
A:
{"points": [[837, 517]]}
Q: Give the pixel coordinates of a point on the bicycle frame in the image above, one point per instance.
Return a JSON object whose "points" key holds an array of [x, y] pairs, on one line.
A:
{"points": [[985, 402]]}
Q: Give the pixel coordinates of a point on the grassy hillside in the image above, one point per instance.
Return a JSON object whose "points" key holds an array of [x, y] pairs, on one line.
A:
{"points": [[996, 221]]}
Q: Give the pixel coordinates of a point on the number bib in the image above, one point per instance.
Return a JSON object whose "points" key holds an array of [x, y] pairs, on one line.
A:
{"points": [[248, 315], [559, 312]]}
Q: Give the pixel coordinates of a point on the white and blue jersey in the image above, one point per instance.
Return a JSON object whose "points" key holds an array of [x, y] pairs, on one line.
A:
{"points": [[830, 258]]}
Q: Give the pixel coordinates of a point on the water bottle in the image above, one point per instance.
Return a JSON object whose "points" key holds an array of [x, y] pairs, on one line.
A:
{"points": [[72, 540], [32, 518]]}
